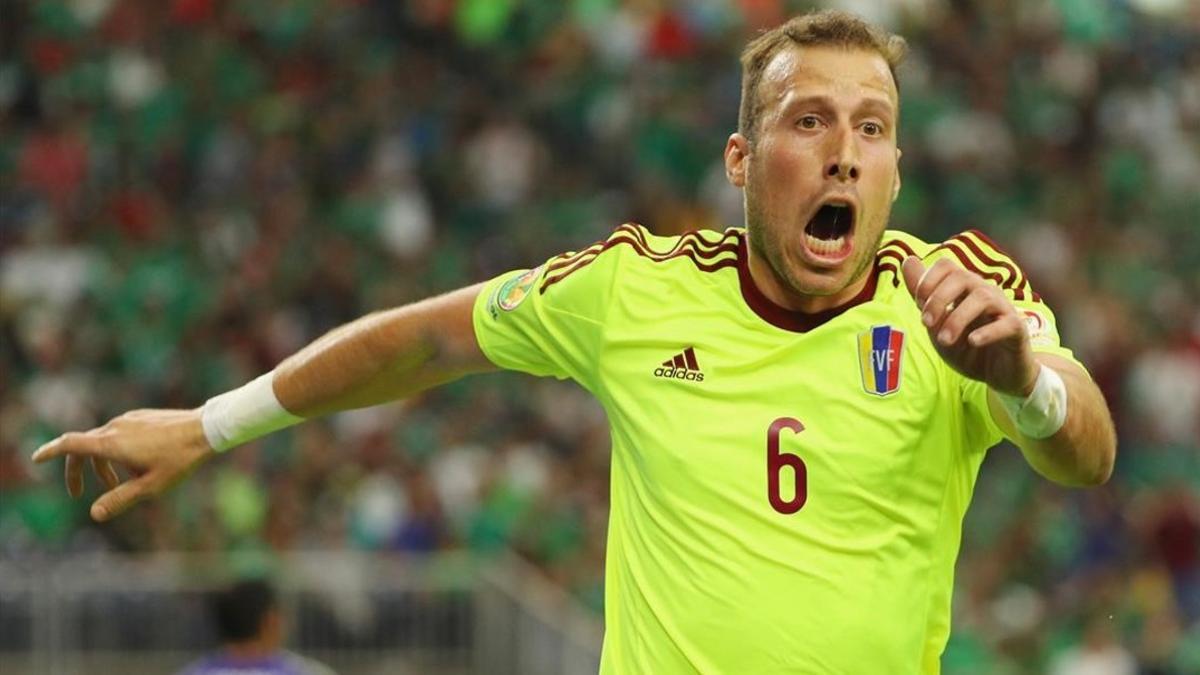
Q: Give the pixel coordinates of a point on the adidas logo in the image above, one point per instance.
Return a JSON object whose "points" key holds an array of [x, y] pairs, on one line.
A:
{"points": [[682, 366]]}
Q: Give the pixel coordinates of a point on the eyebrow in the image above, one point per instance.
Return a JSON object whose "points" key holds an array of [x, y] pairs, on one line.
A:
{"points": [[871, 103]]}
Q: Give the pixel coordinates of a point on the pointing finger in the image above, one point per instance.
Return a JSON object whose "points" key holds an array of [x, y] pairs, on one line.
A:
{"points": [[72, 442], [89, 443], [73, 473], [923, 281], [118, 500], [914, 273]]}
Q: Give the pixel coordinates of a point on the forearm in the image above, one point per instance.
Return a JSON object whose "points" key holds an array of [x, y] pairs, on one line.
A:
{"points": [[382, 357], [1082, 452], [374, 359]]}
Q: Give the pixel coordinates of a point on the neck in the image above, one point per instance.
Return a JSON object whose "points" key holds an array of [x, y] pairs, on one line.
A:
{"points": [[778, 291]]}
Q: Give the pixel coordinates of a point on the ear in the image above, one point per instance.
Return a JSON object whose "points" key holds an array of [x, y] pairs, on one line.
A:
{"points": [[737, 151], [896, 188]]}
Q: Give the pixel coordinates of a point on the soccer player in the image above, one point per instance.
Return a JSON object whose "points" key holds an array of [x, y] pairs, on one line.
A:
{"points": [[798, 408]]}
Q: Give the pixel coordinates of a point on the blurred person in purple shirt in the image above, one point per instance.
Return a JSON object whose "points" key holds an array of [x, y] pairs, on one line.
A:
{"points": [[250, 626]]}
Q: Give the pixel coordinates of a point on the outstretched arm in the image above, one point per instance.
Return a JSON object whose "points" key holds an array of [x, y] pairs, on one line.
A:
{"points": [[384, 356], [378, 358], [979, 332]]}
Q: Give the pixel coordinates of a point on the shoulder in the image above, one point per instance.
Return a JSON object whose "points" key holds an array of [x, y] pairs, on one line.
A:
{"points": [[894, 247], [970, 249], [632, 245]]}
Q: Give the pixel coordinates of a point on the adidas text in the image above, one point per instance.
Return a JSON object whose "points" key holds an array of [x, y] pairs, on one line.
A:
{"points": [[672, 372]]}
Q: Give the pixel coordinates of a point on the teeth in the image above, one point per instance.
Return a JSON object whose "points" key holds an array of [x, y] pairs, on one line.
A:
{"points": [[824, 246]]}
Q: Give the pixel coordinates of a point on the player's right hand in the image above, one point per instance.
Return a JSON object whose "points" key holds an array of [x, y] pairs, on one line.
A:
{"points": [[157, 447]]}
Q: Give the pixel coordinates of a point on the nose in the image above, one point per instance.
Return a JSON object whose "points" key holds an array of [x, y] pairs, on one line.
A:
{"points": [[843, 164]]}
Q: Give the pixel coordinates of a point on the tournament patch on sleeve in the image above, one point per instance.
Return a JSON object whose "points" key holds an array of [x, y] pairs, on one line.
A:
{"points": [[510, 294], [1037, 324]]}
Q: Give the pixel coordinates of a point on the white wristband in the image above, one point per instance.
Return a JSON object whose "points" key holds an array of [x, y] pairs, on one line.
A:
{"points": [[244, 414], [1044, 411]]}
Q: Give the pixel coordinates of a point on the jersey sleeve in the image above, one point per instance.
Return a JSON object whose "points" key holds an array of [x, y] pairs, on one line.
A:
{"points": [[976, 252], [549, 320]]}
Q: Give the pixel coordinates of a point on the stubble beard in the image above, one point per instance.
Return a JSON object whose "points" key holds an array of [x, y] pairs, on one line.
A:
{"points": [[770, 249]]}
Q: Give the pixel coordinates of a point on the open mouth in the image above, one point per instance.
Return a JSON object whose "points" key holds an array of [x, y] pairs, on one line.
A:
{"points": [[828, 231]]}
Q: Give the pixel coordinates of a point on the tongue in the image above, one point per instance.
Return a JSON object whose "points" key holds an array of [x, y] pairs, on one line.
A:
{"points": [[828, 223]]}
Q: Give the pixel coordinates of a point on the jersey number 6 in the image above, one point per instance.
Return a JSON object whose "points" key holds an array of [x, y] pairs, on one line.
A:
{"points": [[777, 460]]}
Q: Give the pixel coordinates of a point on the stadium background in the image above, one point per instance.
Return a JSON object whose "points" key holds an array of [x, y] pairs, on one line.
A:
{"points": [[191, 190]]}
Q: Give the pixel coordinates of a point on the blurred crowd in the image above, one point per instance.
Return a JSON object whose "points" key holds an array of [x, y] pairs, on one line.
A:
{"points": [[190, 190]]}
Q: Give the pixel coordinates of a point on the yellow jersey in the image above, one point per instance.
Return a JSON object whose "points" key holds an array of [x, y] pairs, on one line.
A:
{"points": [[787, 489]]}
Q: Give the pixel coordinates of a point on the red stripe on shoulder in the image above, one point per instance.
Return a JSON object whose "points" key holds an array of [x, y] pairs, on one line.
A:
{"points": [[703, 246], [900, 244], [702, 253], [568, 258], [889, 266], [960, 252], [990, 242], [688, 240], [894, 250], [890, 258], [1025, 284], [1015, 280], [551, 279]]}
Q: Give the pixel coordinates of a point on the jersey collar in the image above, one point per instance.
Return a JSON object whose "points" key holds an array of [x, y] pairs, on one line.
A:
{"points": [[788, 319]]}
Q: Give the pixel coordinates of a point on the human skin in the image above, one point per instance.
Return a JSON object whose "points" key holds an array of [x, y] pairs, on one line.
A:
{"points": [[827, 132]]}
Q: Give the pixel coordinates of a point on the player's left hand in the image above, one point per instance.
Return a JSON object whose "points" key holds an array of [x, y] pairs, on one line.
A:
{"points": [[973, 325]]}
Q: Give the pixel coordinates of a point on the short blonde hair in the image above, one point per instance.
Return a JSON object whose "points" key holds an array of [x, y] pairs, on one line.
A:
{"points": [[829, 28]]}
